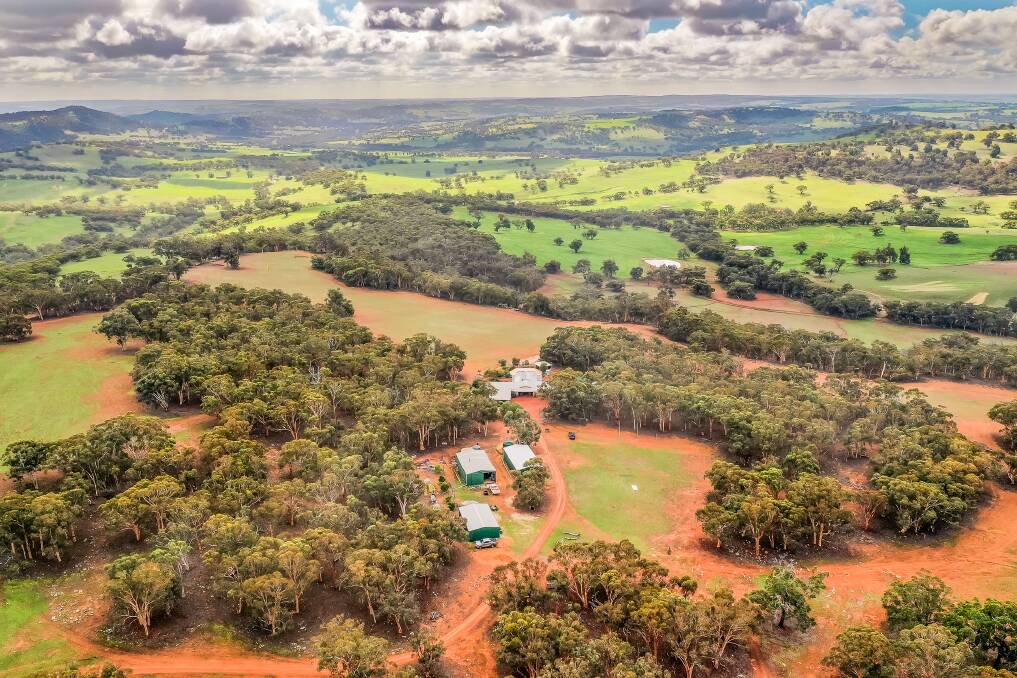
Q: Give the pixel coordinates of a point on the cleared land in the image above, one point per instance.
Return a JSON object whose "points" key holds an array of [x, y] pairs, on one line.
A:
{"points": [[62, 380], [627, 246]]}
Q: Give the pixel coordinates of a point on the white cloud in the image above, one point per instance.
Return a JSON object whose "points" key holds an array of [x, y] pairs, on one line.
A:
{"points": [[113, 33], [547, 45]]}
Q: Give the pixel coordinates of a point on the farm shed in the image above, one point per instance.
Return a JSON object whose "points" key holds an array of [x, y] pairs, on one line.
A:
{"points": [[480, 521], [474, 467], [516, 456]]}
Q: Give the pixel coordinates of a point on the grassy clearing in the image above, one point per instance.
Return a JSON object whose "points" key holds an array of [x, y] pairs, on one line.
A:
{"points": [[29, 647], [627, 246], [32, 231], [975, 245], [50, 385], [600, 475], [486, 334], [937, 272], [109, 265]]}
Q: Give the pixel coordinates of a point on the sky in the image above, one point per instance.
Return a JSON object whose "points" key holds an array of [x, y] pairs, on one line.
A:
{"points": [[331, 49]]}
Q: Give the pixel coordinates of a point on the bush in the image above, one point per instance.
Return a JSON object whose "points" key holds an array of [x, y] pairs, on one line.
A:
{"points": [[886, 274]]}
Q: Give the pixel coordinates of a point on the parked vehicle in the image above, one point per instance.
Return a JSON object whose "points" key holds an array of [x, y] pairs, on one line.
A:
{"points": [[572, 435], [492, 489], [487, 543]]}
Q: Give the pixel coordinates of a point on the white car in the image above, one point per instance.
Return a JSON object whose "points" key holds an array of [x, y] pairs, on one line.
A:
{"points": [[486, 543]]}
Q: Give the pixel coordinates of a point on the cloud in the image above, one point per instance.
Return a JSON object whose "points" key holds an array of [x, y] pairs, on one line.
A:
{"points": [[546, 45]]}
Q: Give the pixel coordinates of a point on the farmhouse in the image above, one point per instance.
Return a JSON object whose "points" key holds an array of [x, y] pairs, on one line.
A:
{"points": [[480, 521], [526, 380], [473, 466], [516, 456], [660, 263]]}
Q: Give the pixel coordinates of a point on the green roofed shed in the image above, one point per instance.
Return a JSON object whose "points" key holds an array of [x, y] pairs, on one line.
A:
{"points": [[474, 467], [480, 521]]}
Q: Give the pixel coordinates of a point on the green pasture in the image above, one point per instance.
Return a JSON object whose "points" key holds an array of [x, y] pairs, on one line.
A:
{"points": [[49, 385], [184, 184], [30, 646], [600, 483], [109, 265], [36, 191], [627, 246], [32, 231], [937, 272]]}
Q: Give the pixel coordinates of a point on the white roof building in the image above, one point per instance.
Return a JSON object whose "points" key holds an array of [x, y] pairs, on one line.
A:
{"points": [[746, 248], [526, 380], [660, 263], [502, 391], [516, 456]]}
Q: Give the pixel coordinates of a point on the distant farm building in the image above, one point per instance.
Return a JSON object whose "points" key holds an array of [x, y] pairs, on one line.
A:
{"points": [[474, 467], [516, 456], [480, 521], [661, 263], [746, 248]]}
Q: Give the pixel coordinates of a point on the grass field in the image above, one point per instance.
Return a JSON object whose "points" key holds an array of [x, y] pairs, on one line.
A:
{"points": [[31, 230], [109, 265], [51, 386], [626, 246], [622, 484], [28, 647], [937, 272]]}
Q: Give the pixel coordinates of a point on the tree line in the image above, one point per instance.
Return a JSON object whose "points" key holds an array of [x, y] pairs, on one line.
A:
{"points": [[956, 356]]}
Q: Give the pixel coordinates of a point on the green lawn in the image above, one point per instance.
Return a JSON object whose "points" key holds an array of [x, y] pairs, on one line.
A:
{"points": [[627, 246], [28, 645], [49, 385], [600, 484]]}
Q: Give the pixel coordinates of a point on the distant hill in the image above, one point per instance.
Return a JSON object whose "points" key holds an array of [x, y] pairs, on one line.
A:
{"points": [[24, 128]]}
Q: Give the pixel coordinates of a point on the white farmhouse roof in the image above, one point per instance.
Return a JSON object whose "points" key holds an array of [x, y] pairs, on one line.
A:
{"points": [[477, 516], [518, 455], [526, 380], [502, 390], [746, 248], [660, 263], [473, 459]]}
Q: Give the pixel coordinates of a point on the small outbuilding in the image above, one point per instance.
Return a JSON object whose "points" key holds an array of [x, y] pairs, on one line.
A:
{"points": [[480, 522], [516, 456], [474, 467], [746, 248]]}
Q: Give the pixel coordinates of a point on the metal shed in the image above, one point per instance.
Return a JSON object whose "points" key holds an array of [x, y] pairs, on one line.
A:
{"points": [[474, 467], [516, 456], [480, 521]]}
